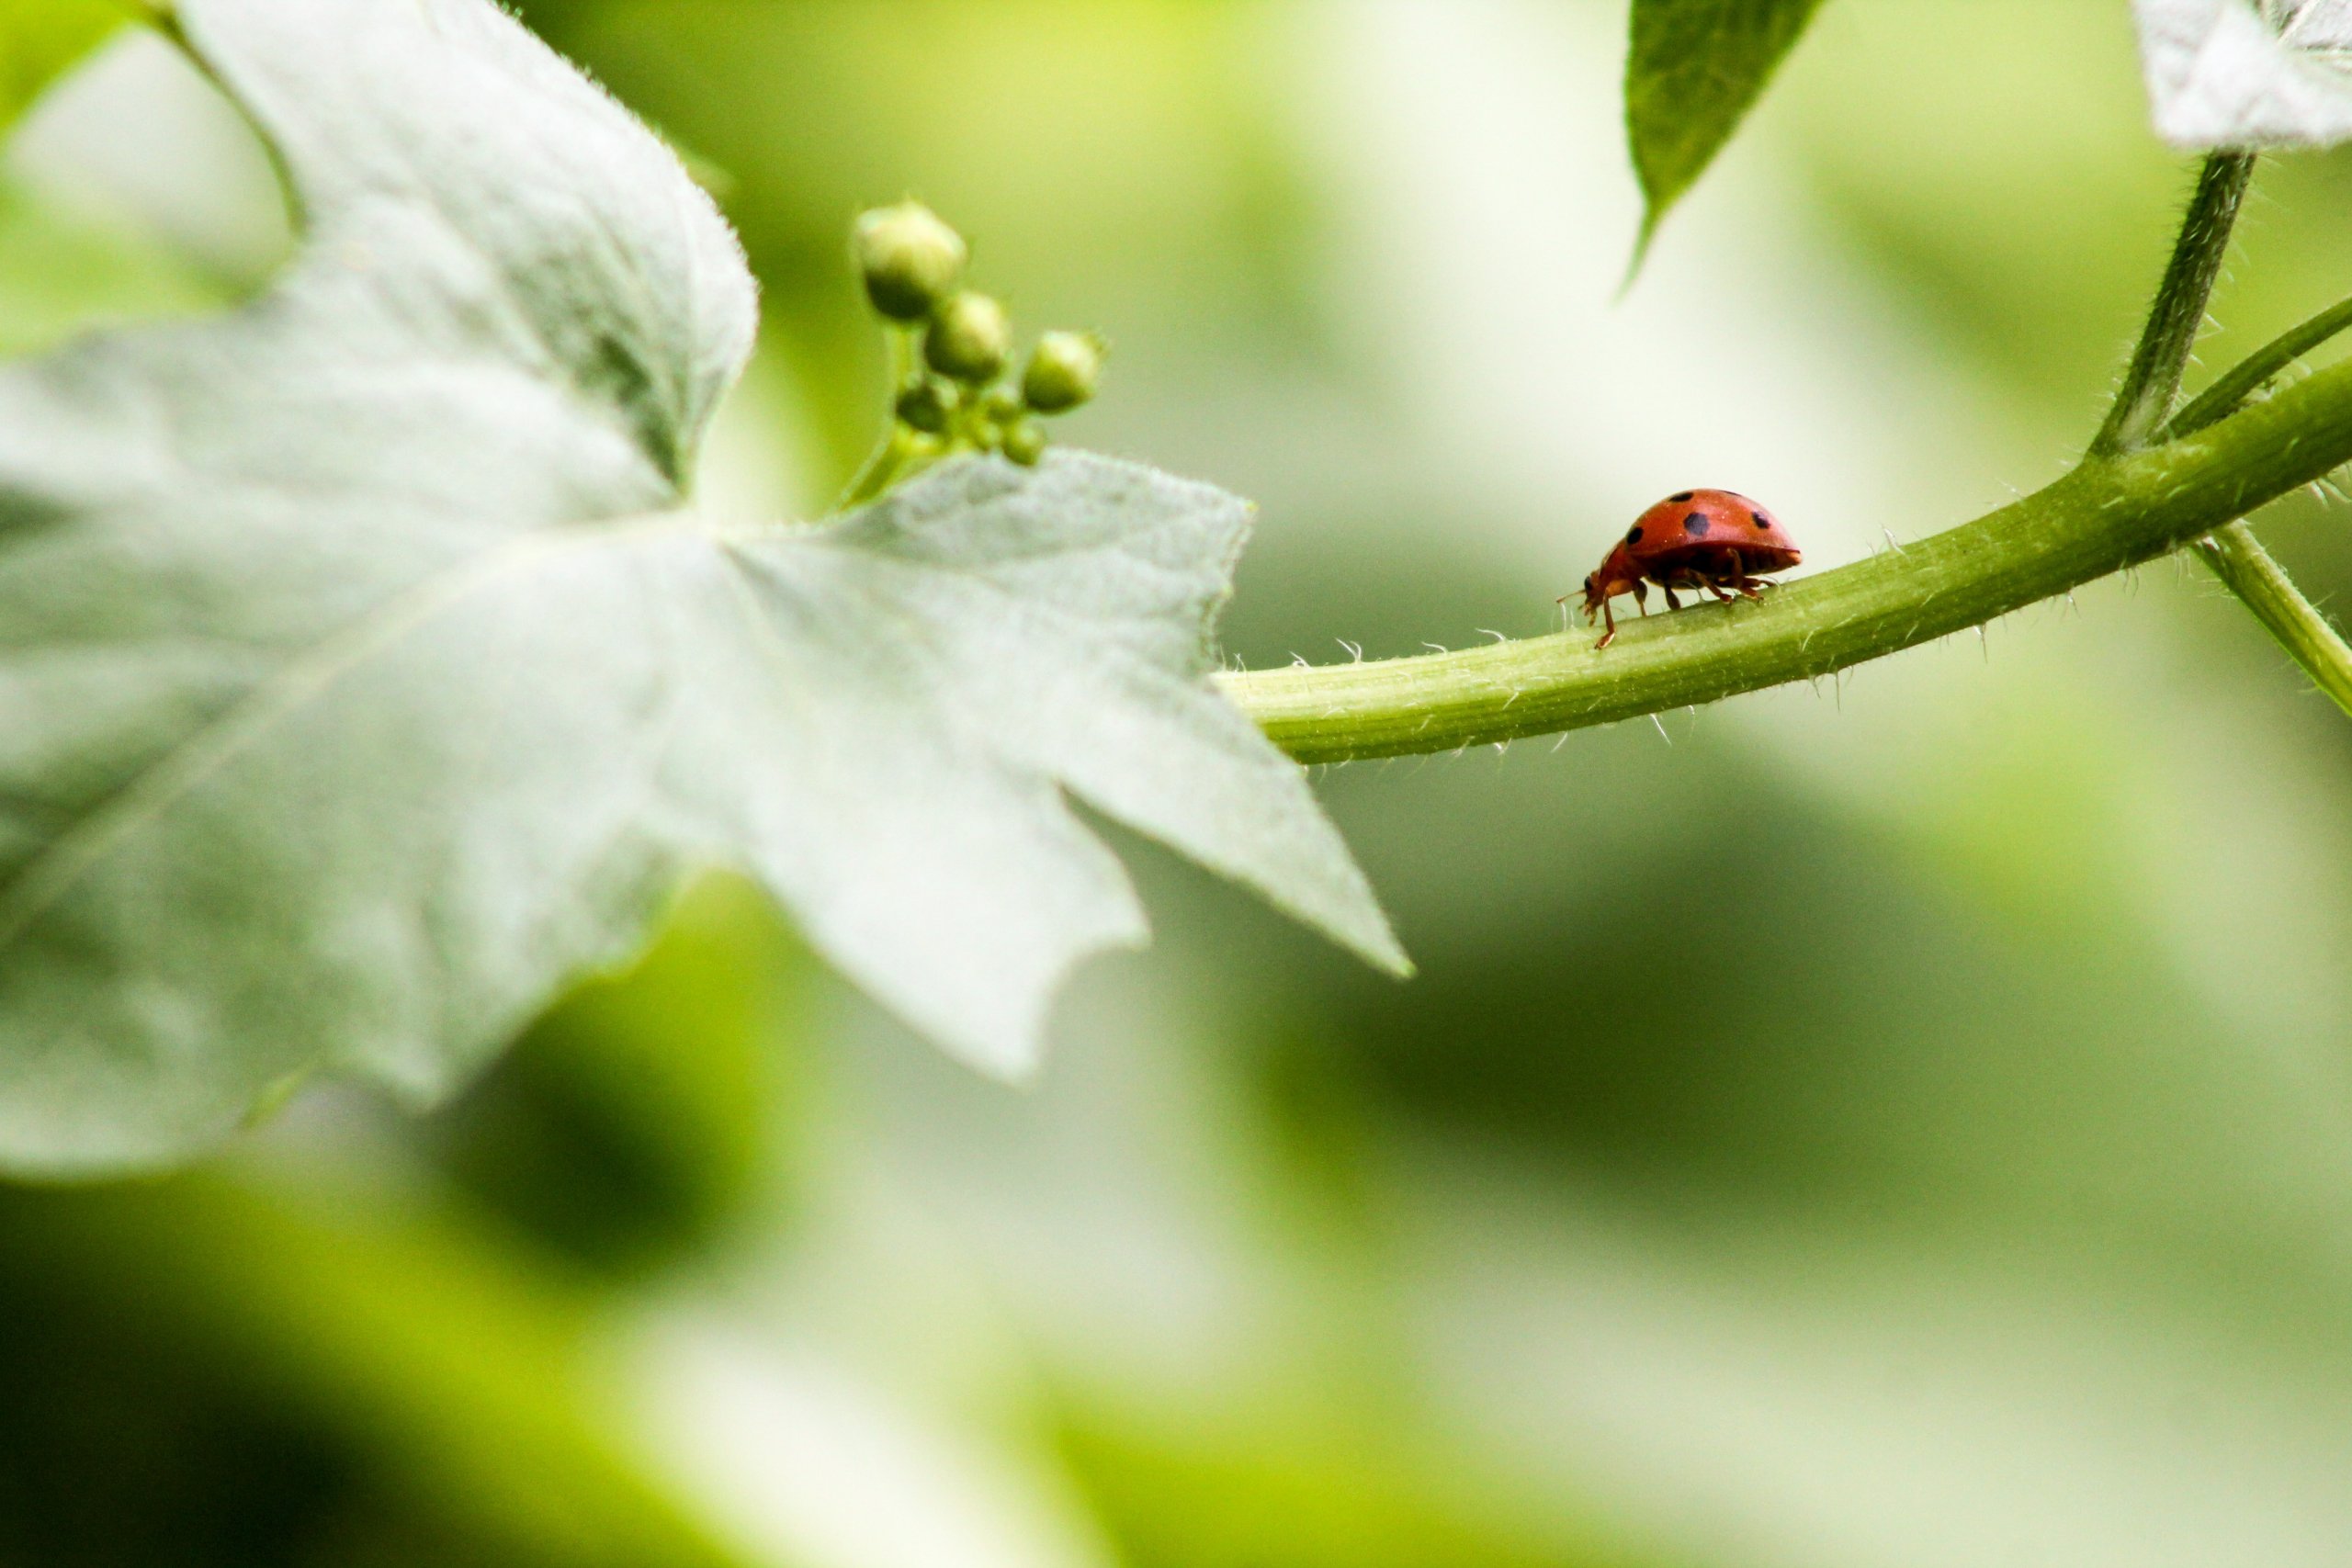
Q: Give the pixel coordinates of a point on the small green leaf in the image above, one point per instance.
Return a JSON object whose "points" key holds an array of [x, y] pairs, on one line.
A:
{"points": [[40, 39], [2246, 75], [1694, 68], [363, 676]]}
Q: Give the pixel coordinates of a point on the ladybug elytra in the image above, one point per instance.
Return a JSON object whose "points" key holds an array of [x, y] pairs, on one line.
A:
{"points": [[1713, 540]]}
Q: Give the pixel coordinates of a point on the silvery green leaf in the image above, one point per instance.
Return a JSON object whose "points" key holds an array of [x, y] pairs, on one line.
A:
{"points": [[1693, 68], [363, 676], [2248, 74]]}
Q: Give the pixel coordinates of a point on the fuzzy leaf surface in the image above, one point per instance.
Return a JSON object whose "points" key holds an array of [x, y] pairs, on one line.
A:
{"points": [[1692, 71], [364, 676], [2246, 75]]}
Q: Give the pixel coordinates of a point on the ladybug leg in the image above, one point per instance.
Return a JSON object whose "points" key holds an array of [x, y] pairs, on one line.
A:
{"points": [[1741, 583], [1718, 584], [1671, 601], [1641, 595], [1608, 615]]}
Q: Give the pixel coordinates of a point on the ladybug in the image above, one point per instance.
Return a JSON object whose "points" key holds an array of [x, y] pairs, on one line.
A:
{"points": [[1711, 539]]}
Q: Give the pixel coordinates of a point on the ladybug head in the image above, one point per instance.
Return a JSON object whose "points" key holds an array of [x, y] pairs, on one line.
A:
{"points": [[1592, 595]]}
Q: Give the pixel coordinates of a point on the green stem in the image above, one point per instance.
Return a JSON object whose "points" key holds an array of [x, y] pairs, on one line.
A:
{"points": [[2236, 557], [2257, 370], [2152, 379], [889, 461], [890, 455], [2239, 560], [2143, 413], [2108, 514]]}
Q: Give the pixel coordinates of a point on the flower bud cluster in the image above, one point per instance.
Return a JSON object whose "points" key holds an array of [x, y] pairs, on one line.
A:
{"points": [[963, 394]]}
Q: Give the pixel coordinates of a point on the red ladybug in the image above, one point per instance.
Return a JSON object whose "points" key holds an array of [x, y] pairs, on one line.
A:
{"points": [[1710, 539]]}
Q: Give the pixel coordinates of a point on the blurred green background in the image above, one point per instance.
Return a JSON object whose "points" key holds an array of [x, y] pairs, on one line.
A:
{"points": [[1902, 1123]]}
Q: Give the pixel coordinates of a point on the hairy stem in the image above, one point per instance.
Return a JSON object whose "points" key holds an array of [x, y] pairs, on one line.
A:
{"points": [[2236, 557], [2257, 370], [2239, 560], [2152, 379], [2110, 512], [2142, 411]]}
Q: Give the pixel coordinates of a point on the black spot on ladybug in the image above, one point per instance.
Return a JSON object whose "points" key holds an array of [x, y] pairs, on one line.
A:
{"points": [[1695, 524], [1635, 537], [1761, 521], [1681, 495]]}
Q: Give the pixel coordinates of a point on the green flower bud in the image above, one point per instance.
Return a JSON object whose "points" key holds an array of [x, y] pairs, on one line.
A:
{"points": [[1002, 405], [927, 405], [1024, 443], [908, 258], [970, 339], [1063, 370]]}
